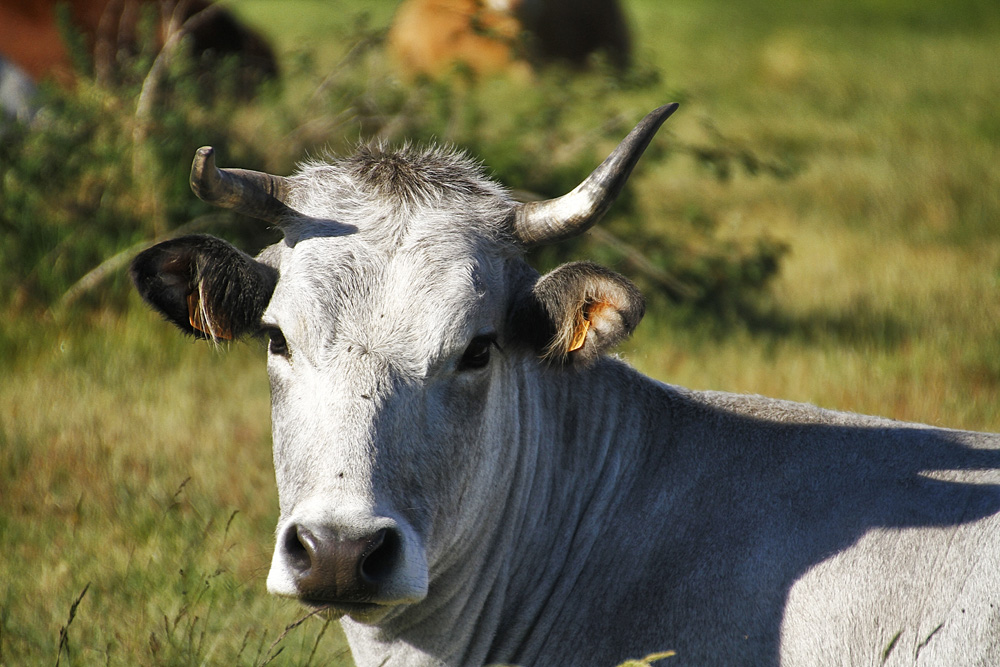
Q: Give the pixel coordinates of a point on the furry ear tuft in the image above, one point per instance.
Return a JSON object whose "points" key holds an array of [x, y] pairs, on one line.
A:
{"points": [[589, 309], [205, 286]]}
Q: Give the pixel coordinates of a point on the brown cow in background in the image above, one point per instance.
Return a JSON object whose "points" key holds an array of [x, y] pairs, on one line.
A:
{"points": [[430, 37], [30, 35]]}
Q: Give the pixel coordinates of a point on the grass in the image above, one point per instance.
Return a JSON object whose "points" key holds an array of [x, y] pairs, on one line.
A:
{"points": [[887, 302], [137, 497], [127, 473]]}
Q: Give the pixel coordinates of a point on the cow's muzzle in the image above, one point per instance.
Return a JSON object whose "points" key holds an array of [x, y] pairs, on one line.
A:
{"points": [[327, 568]]}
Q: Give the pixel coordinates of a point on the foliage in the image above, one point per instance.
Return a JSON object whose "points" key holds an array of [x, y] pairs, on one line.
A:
{"points": [[101, 171], [541, 138], [94, 174]]}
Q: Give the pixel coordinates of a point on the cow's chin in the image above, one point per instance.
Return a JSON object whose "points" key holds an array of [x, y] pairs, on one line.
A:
{"points": [[367, 613]]}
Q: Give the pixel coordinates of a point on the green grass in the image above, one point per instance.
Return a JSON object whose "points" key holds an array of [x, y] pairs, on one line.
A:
{"points": [[135, 464], [887, 302]]}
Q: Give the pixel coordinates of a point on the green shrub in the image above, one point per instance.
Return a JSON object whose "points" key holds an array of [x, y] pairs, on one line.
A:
{"points": [[103, 169], [96, 173]]}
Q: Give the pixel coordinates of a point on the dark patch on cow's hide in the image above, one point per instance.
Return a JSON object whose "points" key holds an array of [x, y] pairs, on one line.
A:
{"points": [[569, 31], [217, 35], [233, 289]]}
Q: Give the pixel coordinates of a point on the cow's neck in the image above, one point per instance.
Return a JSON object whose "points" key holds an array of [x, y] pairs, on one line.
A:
{"points": [[566, 460], [598, 423]]}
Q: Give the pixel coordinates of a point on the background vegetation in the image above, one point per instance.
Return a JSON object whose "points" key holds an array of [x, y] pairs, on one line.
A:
{"points": [[820, 221]]}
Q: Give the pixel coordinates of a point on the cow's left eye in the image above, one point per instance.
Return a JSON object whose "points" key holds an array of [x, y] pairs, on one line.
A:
{"points": [[276, 345], [477, 355]]}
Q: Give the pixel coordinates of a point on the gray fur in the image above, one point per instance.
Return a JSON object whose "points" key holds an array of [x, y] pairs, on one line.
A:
{"points": [[583, 514]]}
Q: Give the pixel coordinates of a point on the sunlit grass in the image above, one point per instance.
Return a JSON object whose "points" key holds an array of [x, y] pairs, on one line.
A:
{"points": [[909, 331], [137, 464]]}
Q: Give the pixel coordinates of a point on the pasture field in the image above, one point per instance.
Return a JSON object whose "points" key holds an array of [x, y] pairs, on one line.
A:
{"points": [[137, 499]]}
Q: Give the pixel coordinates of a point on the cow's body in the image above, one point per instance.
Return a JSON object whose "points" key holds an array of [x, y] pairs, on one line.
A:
{"points": [[467, 478]]}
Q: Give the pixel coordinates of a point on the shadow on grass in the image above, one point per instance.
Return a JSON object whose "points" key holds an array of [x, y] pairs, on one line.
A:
{"points": [[862, 324]]}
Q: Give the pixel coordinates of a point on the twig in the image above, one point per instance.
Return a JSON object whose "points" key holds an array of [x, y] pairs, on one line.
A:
{"points": [[357, 49], [64, 630], [176, 31], [322, 632], [634, 256], [652, 657], [288, 628]]}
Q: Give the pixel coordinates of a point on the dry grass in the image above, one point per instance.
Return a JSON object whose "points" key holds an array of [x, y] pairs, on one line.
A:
{"points": [[138, 464]]}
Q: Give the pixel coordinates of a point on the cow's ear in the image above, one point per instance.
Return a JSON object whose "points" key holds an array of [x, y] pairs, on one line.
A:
{"points": [[578, 312], [205, 286]]}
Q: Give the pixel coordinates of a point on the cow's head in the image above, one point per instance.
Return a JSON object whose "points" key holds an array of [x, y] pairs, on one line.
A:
{"points": [[404, 331]]}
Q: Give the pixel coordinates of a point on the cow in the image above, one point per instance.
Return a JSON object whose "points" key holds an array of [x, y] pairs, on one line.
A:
{"points": [[31, 37], [17, 93], [433, 37], [467, 476]]}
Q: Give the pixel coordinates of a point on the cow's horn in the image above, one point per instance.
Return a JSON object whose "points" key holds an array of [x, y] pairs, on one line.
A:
{"points": [[554, 220], [253, 193]]}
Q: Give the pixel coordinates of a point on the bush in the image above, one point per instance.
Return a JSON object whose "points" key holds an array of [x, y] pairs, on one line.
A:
{"points": [[97, 173], [103, 169]]}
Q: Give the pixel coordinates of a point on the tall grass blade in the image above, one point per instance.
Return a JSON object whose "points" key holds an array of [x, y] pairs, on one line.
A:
{"points": [[64, 630]]}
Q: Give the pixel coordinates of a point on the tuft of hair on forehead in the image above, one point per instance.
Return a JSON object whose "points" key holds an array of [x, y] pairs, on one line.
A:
{"points": [[406, 175], [420, 174], [388, 193]]}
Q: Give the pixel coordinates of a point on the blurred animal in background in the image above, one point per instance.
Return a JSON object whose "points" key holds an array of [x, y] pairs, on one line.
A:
{"points": [[432, 37], [16, 93], [32, 37]]}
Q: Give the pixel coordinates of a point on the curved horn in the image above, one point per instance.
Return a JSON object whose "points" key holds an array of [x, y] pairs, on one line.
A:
{"points": [[553, 220], [253, 193]]}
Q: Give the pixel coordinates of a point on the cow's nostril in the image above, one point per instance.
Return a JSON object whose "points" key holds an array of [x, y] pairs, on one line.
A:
{"points": [[300, 547], [380, 559]]}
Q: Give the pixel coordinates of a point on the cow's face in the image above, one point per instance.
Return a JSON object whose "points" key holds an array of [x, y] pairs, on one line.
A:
{"points": [[386, 355], [404, 331]]}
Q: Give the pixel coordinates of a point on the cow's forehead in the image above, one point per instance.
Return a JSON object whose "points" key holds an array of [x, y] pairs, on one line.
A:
{"points": [[391, 197], [397, 251], [413, 303]]}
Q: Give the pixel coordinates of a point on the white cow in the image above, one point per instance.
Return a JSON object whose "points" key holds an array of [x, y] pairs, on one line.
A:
{"points": [[468, 479]]}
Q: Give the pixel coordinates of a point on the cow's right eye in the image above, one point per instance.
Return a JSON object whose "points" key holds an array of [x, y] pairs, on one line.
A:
{"points": [[477, 355], [277, 344]]}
